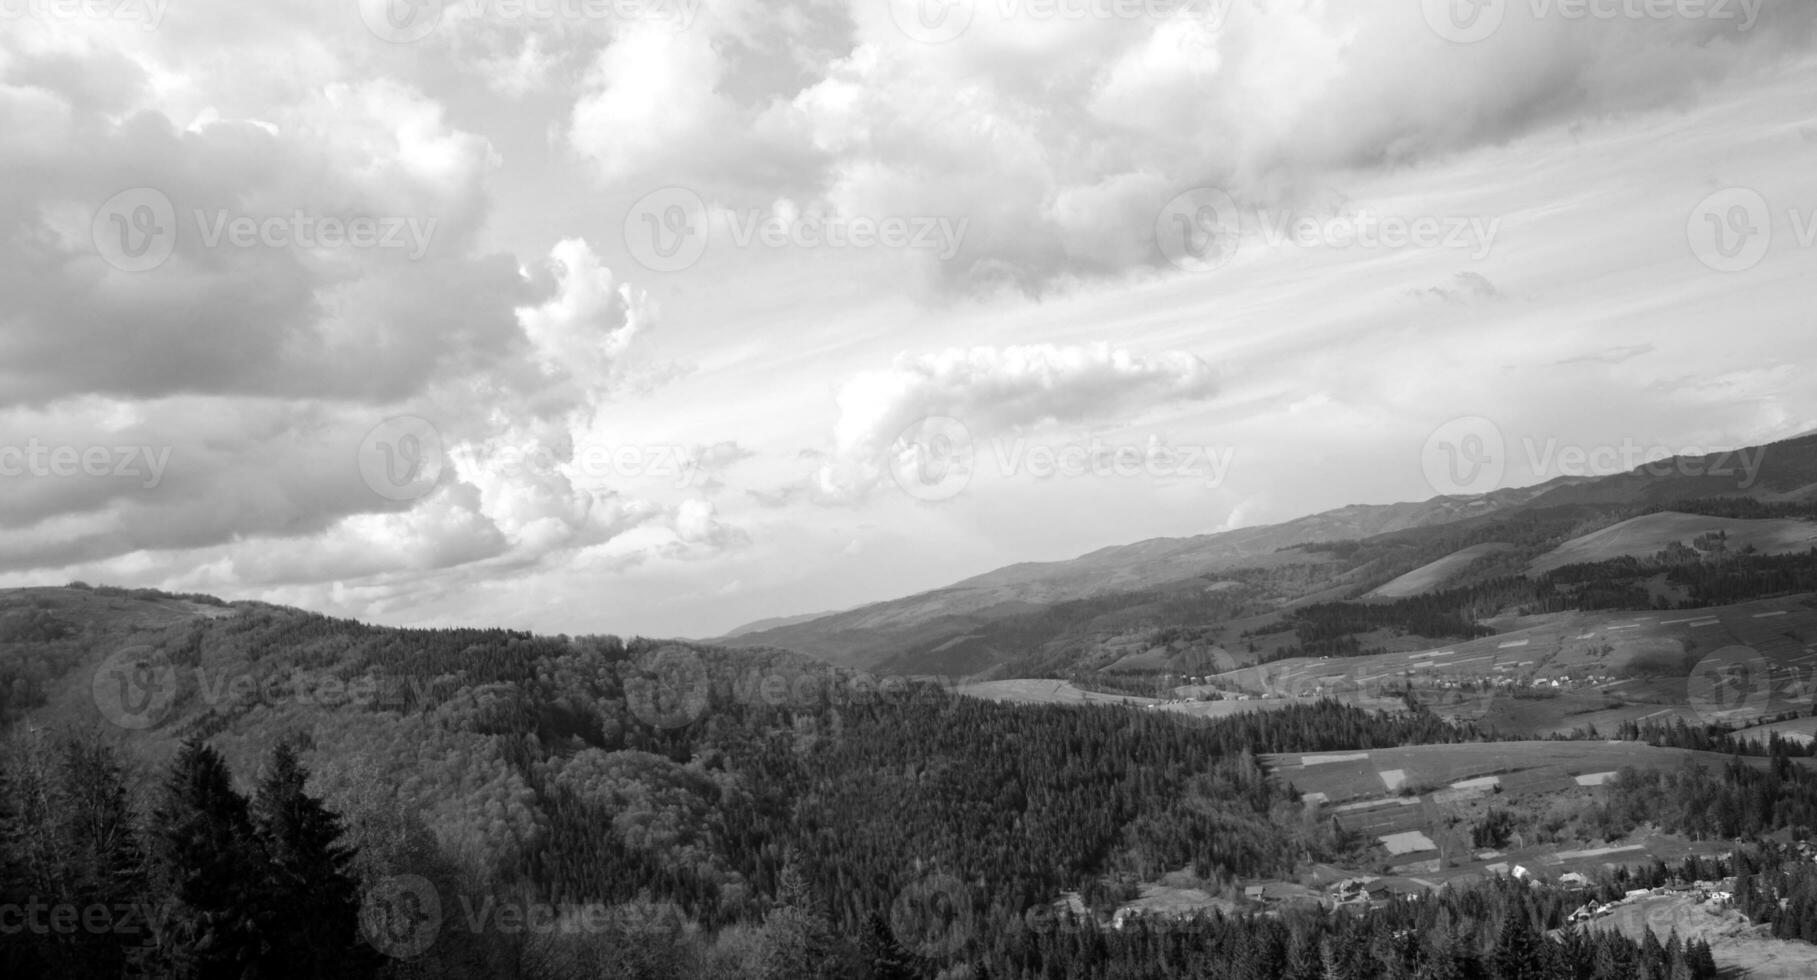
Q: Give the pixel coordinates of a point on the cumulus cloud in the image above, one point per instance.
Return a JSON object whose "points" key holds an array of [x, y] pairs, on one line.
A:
{"points": [[991, 390], [234, 385], [1060, 139]]}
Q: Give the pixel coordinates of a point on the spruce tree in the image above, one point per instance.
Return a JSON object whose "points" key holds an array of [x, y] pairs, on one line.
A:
{"points": [[308, 876], [882, 954], [1520, 951], [206, 856]]}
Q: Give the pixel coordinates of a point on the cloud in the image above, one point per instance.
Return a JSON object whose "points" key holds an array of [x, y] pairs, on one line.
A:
{"points": [[991, 390], [652, 98], [1060, 139]]}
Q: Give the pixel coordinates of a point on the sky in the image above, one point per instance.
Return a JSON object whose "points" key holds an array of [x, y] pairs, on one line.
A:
{"points": [[661, 316]]}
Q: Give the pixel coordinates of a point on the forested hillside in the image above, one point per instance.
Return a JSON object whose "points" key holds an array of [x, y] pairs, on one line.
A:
{"points": [[515, 805]]}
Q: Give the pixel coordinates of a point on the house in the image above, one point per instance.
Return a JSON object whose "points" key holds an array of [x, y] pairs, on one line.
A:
{"points": [[1573, 879]]}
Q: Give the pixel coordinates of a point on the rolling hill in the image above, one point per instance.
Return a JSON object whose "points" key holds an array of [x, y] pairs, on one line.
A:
{"points": [[1651, 533], [991, 621]]}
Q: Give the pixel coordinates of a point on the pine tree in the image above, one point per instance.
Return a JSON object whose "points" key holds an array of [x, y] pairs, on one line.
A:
{"points": [[1652, 956], [206, 856], [308, 876], [1520, 951], [1305, 959], [1331, 961], [1701, 960], [885, 957]]}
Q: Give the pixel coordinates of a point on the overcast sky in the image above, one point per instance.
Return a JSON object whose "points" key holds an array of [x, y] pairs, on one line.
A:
{"points": [[656, 316]]}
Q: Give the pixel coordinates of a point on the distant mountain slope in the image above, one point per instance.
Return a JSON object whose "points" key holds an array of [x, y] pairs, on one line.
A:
{"points": [[773, 622], [871, 634], [1428, 577], [932, 631], [1652, 533]]}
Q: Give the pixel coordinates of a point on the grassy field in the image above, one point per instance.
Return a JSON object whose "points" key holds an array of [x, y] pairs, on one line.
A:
{"points": [[1429, 577], [1650, 534], [1046, 692]]}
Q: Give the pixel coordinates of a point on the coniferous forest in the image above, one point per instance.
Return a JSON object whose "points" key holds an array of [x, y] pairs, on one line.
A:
{"points": [[506, 805]]}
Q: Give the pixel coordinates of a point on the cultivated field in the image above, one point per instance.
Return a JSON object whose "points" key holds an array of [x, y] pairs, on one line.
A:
{"points": [[1400, 797], [1571, 670]]}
